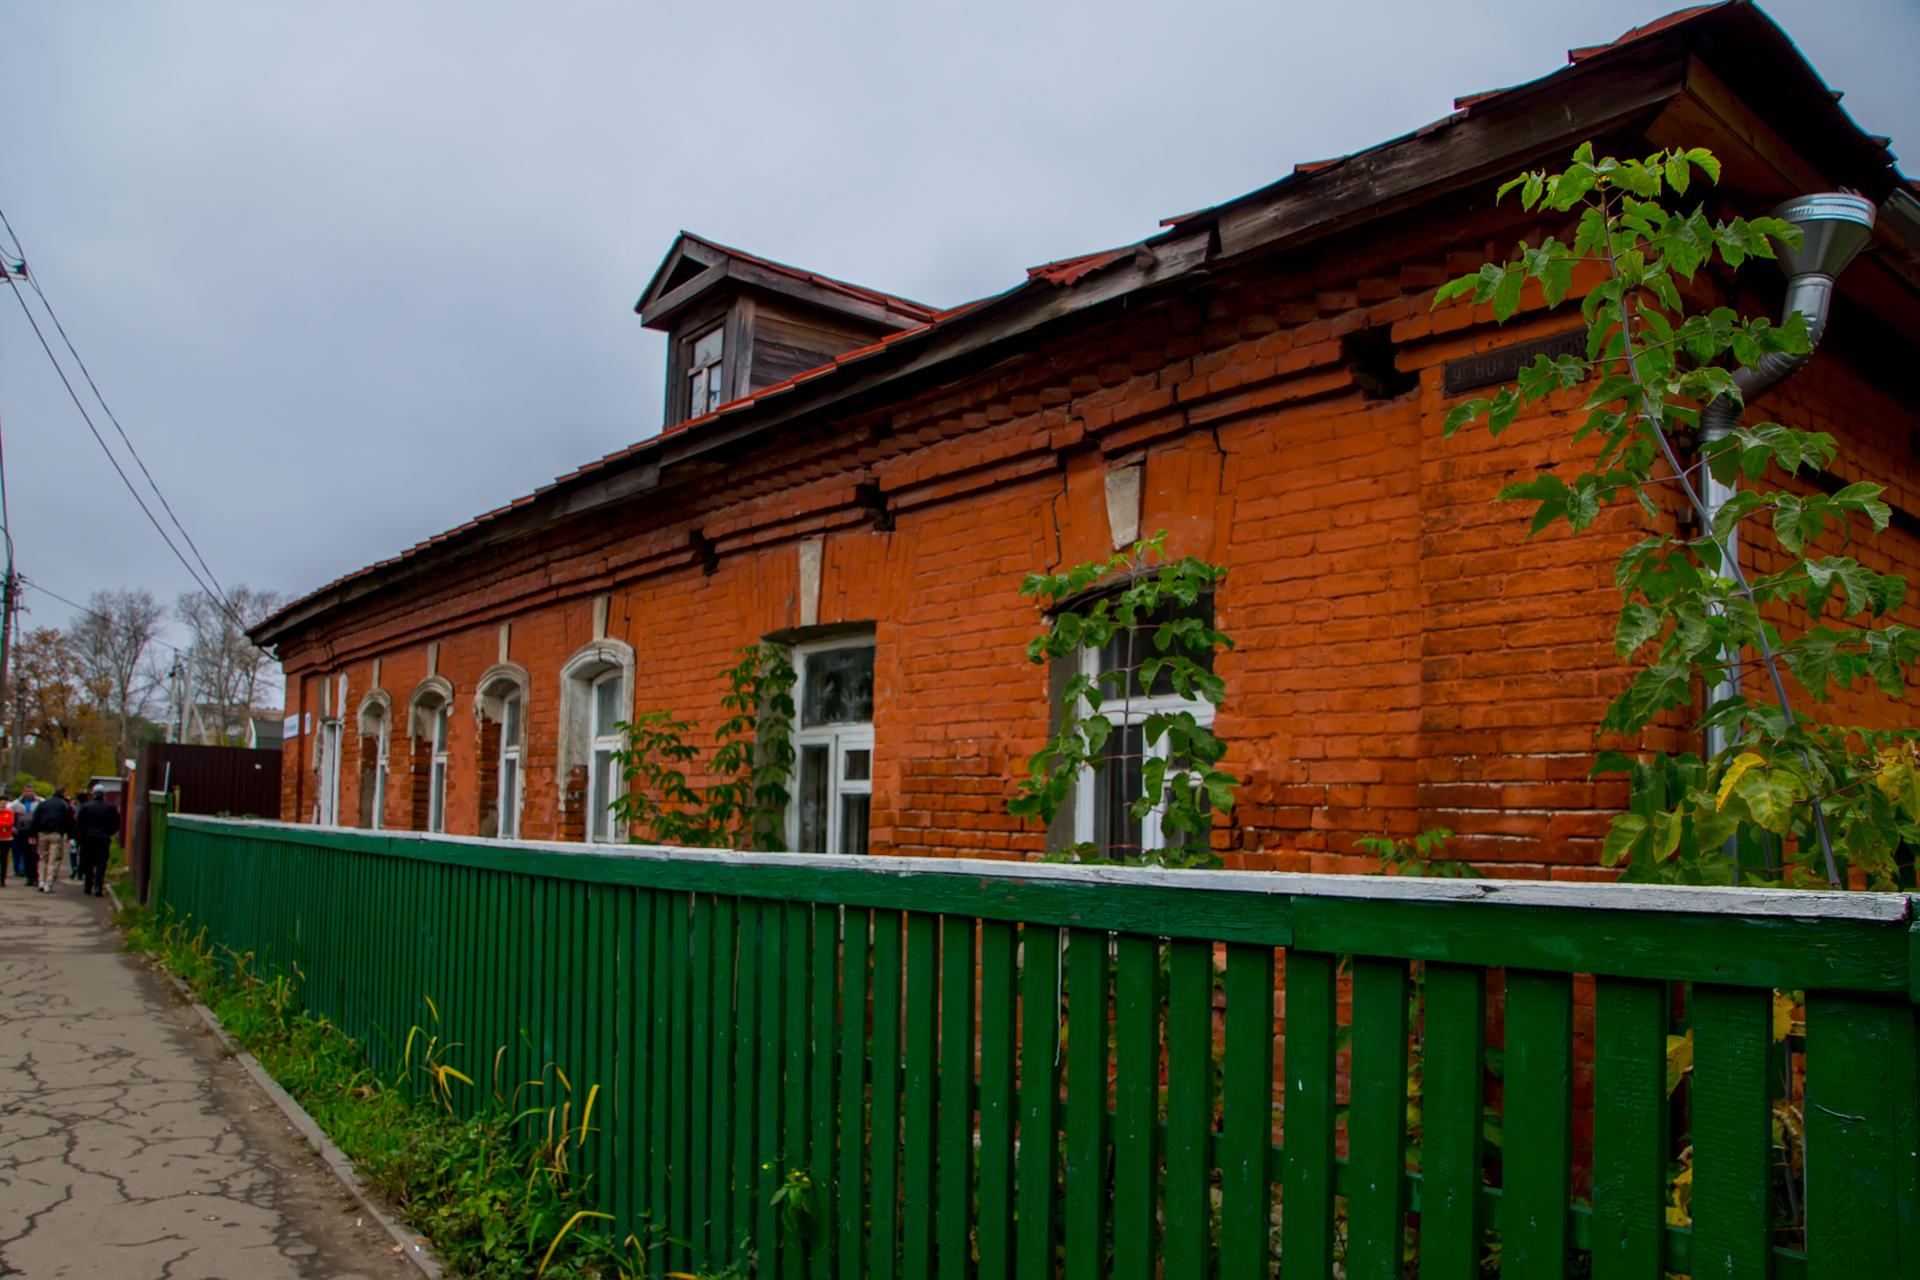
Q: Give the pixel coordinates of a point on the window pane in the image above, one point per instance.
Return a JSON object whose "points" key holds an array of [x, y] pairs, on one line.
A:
{"points": [[604, 782], [441, 721], [1129, 648], [858, 765], [1116, 785], [811, 797], [510, 726], [708, 347], [606, 706], [854, 812], [839, 686], [437, 797], [509, 797]]}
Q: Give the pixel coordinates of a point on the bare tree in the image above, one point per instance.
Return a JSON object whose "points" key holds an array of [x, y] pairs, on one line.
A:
{"points": [[227, 668], [109, 642]]}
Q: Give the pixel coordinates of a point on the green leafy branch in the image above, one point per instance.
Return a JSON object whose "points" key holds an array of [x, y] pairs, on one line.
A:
{"points": [[752, 762], [1157, 610], [1787, 788]]}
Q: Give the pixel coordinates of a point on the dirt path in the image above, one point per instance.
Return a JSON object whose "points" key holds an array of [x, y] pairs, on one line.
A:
{"points": [[130, 1145]]}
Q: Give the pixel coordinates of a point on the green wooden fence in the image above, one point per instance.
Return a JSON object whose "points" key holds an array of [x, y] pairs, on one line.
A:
{"points": [[1001, 1069]]}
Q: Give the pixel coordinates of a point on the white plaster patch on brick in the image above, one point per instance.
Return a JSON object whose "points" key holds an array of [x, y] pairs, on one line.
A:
{"points": [[812, 552], [600, 605], [433, 658], [506, 639], [376, 673], [1123, 505]]}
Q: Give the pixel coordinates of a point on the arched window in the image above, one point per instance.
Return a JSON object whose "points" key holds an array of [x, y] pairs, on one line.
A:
{"points": [[603, 780], [501, 708], [430, 728], [376, 730], [437, 787], [596, 698]]}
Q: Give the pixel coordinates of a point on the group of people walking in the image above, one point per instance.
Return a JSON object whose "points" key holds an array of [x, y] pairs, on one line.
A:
{"points": [[41, 834]]}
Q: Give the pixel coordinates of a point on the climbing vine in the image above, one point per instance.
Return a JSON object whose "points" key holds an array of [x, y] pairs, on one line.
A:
{"points": [[745, 807], [1795, 798], [1143, 623]]}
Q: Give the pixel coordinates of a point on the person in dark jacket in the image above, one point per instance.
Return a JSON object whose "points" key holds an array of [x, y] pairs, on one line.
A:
{"points": [[25, 862], [52, 829], [95, 826]]}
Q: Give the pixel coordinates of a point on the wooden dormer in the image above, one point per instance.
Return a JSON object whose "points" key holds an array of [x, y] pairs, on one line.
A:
{"points": [[736, 323]]}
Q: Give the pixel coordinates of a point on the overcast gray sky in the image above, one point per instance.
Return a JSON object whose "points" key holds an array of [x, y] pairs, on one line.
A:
{"points": [[351, 273]]}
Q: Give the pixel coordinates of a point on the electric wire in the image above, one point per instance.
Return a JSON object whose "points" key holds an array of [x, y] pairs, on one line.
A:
{"points": [[218, 599], [30, 585], [33, 280]]}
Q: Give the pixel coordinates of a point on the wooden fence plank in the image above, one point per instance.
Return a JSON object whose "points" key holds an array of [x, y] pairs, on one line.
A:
{"points": [[1377, 1121], [1247, 1112], [919, 1089], [1453, 1092], [1038, 1156], [825, 1079], [1306, 1195], [849, 1191], [767, 1237], [794, 1159], [1538, 1118], [1731, 1122], [998, 948], [884, 1151], [720, 1148], [1086, 1123], [1630, 1140], [749, 1056], [1136, 1039], [1863, 1132], [1189, 1105], [956, 1098]]}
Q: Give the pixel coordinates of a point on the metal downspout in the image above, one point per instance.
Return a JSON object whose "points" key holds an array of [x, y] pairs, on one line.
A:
{"points": [[1834, 226]]}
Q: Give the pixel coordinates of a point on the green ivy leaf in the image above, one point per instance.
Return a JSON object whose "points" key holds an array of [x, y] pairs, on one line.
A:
{"points": [[1506, 296]]}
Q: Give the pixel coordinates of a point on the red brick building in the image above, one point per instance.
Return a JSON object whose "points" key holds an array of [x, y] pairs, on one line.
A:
{"points": [[869, 479]]}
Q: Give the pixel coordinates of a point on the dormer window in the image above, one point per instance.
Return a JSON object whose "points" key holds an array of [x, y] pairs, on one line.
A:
{"points": [[737, 323], [703, 371]]}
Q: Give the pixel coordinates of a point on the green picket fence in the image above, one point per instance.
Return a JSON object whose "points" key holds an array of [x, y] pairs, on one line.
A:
{"points": [[997, 1069]]}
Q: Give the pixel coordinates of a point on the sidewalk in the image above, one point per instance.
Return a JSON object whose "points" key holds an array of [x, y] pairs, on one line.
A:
{"points": [[129, 1145]]}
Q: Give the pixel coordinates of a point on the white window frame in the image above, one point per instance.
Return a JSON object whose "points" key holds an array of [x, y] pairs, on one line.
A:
{"points": [[379, 818], [1123, 712], [507, 806], [602, 825], [442, 766], [328, 801], [838, 739], [704, 390], [379, 706]]}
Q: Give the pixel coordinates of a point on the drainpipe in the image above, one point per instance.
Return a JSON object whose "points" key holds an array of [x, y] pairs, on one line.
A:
{"points": [[1834, 227]]}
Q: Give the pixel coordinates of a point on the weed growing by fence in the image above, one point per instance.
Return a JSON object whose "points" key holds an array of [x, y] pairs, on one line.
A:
{"points": [[745, 807], [499, 1193]]}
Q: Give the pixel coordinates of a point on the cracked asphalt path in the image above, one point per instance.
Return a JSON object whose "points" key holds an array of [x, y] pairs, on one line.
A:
{"points": [[130, 1144]]}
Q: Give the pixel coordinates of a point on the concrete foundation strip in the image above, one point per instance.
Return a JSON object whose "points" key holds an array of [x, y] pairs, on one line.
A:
{"points": [[410, 1245]]}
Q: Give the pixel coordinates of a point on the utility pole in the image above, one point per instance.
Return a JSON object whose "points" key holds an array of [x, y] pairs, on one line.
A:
{"points": [[7, 701]]}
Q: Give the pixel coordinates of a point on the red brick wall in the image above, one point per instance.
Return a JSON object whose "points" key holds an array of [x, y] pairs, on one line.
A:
{"points": [[1406, 657]]}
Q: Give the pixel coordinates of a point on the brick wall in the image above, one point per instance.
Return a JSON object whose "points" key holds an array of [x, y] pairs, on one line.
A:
{"points": [[1405, 656]]}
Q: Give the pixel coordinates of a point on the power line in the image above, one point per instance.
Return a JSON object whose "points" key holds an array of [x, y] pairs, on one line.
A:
{"points": [[219, 600], [89, 612], [33, 279]]}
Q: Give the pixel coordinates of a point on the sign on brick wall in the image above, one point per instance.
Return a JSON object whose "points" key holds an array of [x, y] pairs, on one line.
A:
{"points": [[1505, 363]]}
